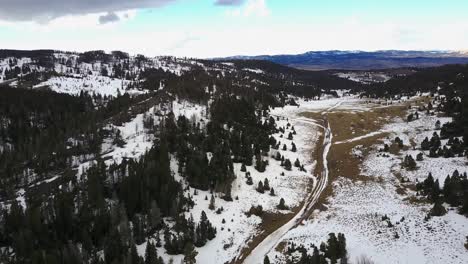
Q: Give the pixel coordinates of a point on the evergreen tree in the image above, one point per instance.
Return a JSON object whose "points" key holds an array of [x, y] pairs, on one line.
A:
{"points": [[293, 147], [212, 203], [151, 255], [282, 205], [190, 254], [266, 185], [287, 164], [260, 187]]}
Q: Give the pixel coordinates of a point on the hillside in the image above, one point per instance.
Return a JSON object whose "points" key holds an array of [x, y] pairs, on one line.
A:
{"points": [[115, 158]]}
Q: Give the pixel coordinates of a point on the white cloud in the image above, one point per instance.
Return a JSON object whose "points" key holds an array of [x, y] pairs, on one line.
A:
{"points": [[269, 36], [257, 8]]}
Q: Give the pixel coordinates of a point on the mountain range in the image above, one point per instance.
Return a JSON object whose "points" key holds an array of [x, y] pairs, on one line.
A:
{"points": [[364, 60]]}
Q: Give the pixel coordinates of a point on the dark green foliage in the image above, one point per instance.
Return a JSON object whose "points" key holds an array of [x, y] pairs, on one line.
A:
{"points": [[287, 164], [454, 192], [409, 163], [330, 252], [282, 205], [204, 231], [297, 163], [438, 209], [266, 185], [255, 210], [190, 254], [420, 157], [260, 187], [293, 147]]}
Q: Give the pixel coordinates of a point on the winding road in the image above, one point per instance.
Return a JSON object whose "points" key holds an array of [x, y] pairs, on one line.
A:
{"points": [[257, 255]]}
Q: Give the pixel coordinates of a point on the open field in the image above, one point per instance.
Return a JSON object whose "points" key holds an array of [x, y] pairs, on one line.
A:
{"points": [[366, 184]]}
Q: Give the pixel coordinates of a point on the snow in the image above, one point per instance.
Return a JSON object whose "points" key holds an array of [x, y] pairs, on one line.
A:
{"points": [[194, 112], [137, 142], [239, 228], [92, 84], [243, 228], [356, 207], [258, 71], [364, 77]]}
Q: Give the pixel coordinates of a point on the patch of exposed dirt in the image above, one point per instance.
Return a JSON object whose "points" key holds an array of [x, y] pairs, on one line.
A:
{"points": [[270, 223]]}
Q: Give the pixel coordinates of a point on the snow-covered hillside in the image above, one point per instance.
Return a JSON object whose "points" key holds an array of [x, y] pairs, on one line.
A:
{"points": [[380, 217]]}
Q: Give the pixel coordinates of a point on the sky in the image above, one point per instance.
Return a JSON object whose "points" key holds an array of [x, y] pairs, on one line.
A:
{"points": [[219, 28]]}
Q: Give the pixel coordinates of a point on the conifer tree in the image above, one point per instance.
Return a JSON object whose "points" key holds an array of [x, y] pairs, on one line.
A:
{"points": [[260, 187], [151, 255], [212, 203], [293, 147], [282, 205], [266, 185]]}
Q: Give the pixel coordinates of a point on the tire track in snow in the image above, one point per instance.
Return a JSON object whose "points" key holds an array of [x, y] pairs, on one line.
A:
{"points": [[269, 243], [375, 133]]}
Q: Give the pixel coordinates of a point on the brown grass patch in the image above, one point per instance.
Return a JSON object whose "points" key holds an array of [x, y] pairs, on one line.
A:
{"points": [[341, 161], [348, 125], [281, 246], [270, 223]]}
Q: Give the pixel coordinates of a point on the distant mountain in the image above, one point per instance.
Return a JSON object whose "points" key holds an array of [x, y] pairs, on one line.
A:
{"points": [[363, 60]]}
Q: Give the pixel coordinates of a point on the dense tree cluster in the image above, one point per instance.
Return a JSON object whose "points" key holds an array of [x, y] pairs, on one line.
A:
{"points": [[235, 133], [332, 251], [53, 229], [454, 191], [454, 147]]}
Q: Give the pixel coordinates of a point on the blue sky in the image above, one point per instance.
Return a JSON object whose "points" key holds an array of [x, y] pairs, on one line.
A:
{"points": [[201, 28]]}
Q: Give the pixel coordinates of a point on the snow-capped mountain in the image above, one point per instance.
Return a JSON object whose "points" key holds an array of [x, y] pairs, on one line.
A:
{"points": [[364, 60]]}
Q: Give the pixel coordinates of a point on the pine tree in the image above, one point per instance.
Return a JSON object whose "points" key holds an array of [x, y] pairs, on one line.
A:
{"points": [[243, 168], [272, 191], [287, 165], [266, 185], [438, 209], [260, 165], [266, 260], [260, 187], [420, 156], [190, 254], [293, 147], [297, 163], [151, 255], [212, 203], [282, 205], [249, 180]]}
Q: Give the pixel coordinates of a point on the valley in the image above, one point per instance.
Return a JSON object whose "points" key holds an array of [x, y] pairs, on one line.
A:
{"points": [[186, 160]]}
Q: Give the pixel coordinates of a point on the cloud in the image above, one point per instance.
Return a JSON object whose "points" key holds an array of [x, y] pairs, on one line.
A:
{"points": [[252, 8], [47, 10], [108, 18], [229, 2]]}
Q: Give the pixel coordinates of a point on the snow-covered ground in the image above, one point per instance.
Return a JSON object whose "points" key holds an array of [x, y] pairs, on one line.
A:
{"points": [[364, 77], [92, 84], [239, 229], [356, 208]]}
